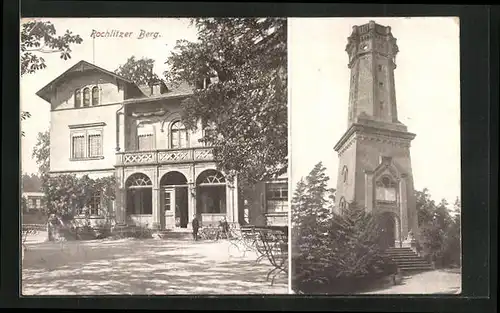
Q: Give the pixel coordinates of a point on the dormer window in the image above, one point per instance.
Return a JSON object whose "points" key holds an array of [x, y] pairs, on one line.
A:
{"points": [[86, 97], [78, 98], [95, 95]]}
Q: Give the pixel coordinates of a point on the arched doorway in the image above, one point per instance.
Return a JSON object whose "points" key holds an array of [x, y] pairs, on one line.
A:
{"points": [[211, 196], [174, 200], [139, 198], [387, 226]]}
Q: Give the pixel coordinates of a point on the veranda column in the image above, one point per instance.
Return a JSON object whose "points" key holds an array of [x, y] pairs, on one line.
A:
{"points": [[236, 211], [155, 201], [191, 203], [229, 202]]}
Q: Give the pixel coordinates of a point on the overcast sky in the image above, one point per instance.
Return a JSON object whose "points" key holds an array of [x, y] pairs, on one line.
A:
{"points": [[427, 86], [109, 53], [427, 92]]}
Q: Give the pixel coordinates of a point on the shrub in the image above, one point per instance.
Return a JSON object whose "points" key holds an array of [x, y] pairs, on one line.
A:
{"points": [[333, 253]]}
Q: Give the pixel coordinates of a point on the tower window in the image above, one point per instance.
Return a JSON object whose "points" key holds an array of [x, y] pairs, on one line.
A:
{"points": [[386, 189], [344, 174], [380, 68], [342, 205], [381, 84]]}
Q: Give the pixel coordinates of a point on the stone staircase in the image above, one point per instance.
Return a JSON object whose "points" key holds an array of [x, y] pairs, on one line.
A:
{"points": [[407, 260], [185, 234]]}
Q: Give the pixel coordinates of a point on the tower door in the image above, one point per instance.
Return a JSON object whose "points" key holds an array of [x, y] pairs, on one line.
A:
{"points": [[387, 230]]}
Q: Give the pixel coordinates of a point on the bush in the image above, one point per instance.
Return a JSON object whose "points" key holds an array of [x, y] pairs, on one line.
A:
{"points": [[333, 253]]}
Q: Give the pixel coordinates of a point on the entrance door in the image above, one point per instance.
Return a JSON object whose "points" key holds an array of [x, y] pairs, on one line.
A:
{"points": [[387, 230], [168, 206]]}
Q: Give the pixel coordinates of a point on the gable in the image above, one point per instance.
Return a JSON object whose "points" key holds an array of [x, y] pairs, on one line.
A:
{"points": [[86, 71]]}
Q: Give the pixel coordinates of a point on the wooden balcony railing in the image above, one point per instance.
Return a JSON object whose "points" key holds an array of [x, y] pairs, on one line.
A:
{"points": [[164, 156]]}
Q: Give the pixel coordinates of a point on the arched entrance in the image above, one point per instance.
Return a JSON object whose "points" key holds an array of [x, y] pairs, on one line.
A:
{"points": [[139, 198], [211, 199], [174, 200], [387, 223]]}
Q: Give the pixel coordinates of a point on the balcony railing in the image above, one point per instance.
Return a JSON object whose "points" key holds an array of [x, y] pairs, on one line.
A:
{"points": [[165, 156]]}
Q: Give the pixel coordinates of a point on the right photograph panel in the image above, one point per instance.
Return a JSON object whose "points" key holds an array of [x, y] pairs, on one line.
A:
{"points": [[375, 155]]}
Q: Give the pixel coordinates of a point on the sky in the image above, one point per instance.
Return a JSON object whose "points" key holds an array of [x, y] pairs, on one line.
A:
{"points": [[108, 53], [427, 81]]}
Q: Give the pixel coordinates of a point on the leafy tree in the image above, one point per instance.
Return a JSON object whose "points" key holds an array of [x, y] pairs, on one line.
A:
{"points": [[31, 182], [331, 252], [66, 194], [38, 38], [41, 152], [139, 71], [439, 230], [239, 69], [24, 115]]}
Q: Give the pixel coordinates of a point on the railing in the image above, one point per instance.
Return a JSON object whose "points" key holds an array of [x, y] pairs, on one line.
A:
{"points": [[165, 156]]}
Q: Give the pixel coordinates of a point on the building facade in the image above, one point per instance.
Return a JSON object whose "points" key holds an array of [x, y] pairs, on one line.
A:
{"points": [[374, 153], [104, 125], [34, 201]]}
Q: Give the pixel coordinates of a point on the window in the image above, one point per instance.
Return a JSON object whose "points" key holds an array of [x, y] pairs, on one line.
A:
{"points": [[95, 145], [94, 204], [277, 197], [38, 203], [386, 190], [33, 202], [145, 142], [95, 96], [86, 97], [381, 84], [344, 173], [342, 205], [86, 141], [178, 135], [78, 98], [78, 147], [167, 201]]}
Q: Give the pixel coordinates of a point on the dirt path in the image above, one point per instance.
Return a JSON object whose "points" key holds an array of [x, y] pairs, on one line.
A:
{"points": [[152, 266], [433, 282]]}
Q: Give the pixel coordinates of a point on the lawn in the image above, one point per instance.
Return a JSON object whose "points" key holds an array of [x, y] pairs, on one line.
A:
{"points": [[144, 266]]}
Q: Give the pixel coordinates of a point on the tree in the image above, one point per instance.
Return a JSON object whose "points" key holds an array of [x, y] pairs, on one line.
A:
{"points": [[139, 71], [41, 152], [332, 252], [31, 183], [37, 38], [439, 230], [239, 69]]}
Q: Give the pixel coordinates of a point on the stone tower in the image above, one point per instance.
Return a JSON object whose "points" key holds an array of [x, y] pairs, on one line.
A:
{"points": [[374, 152]]}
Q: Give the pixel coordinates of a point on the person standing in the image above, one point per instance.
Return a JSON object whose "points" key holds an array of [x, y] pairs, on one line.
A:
{"points": [[196, 225]]}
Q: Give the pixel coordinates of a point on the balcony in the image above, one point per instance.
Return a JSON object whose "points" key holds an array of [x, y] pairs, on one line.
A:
{"points": [[166, 156]]}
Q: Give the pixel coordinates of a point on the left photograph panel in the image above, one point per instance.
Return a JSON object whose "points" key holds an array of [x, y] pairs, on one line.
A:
{"points": [[154, 156]]}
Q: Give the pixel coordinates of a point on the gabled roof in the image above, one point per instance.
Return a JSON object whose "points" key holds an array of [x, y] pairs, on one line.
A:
{"points": [[78, 67]]}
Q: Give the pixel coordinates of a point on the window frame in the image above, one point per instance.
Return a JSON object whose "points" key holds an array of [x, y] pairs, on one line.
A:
{"points": [[98, 97], [85, 131], [77, 98], [86, 91], [281, 200], [178, 132]]}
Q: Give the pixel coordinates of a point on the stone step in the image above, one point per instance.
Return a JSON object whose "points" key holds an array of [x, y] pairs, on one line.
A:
{"points": [[407, 260]]}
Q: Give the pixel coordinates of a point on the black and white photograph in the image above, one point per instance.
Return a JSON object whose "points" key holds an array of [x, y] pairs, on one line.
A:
{"points": [[375, 155], [154, 156]]}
